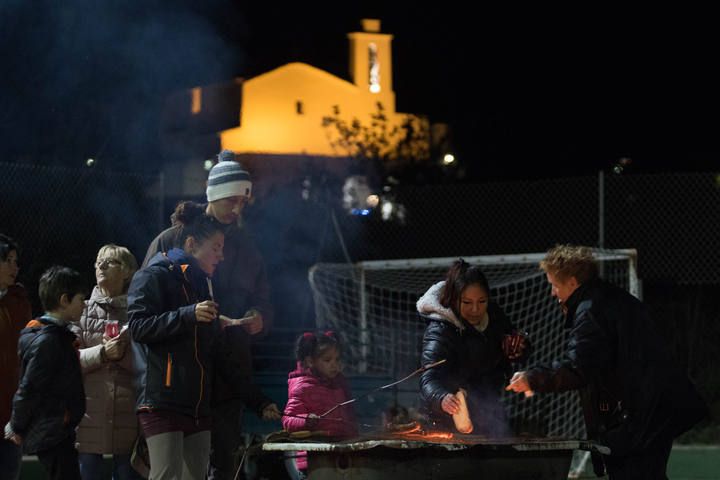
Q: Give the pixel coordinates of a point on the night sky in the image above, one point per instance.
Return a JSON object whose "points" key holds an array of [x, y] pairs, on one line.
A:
{"points": [[527, 94]]}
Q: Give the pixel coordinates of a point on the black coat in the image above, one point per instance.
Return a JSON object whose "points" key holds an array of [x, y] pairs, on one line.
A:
{"points": [[633, 393], [475, 362], [175, 356], [240, 284], [50, 399]]}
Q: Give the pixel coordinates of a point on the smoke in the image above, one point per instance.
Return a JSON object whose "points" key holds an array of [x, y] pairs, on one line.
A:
{"points": [[88, 79], [488, 413]]}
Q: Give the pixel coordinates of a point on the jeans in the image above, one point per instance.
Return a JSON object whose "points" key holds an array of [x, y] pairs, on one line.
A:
{"points": [[174, 456]]}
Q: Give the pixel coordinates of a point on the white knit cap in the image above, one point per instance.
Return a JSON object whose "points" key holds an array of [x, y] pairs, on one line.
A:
{"points": [[228, 179]]}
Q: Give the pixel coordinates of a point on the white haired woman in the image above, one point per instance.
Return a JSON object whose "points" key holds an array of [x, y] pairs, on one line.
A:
{"points": [[110, 423]]}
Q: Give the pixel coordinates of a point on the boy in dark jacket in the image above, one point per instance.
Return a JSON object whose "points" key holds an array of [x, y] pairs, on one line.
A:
{"points": [[50, 399]]}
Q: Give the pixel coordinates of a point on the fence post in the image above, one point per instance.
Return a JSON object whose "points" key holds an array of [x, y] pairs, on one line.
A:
{"points": [[601, 209], [364, 334]]}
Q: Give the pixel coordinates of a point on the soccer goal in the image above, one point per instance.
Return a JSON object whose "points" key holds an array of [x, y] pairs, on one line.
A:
{"points": [[372, 305]]}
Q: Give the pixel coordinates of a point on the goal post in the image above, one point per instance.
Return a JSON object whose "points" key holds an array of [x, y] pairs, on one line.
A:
{"points": [[372, 305]]}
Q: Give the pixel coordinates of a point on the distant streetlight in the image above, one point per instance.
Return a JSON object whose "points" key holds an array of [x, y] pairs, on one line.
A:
{"points": [[448, 159], [90, 162], [208, 165]]}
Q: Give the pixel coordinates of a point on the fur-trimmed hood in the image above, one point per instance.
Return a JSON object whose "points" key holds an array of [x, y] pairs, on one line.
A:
{"points": [[429, 306]]}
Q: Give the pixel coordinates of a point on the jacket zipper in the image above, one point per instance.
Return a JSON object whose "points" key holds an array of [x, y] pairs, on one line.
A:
{"points": [[197, 359], [202, 379], [168, 372]]}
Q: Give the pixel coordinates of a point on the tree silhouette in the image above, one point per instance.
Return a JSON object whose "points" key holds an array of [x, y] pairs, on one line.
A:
{"points": [[390, 148]]}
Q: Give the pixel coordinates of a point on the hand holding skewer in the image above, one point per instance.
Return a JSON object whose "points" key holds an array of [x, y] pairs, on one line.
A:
{"points": [[206, 311]]}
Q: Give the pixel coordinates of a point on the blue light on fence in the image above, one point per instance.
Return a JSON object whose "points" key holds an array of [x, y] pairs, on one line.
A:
{"points": [[360, 211]]}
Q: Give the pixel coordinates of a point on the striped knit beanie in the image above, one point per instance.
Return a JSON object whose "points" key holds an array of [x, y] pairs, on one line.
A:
{"points": [[228, 178]]}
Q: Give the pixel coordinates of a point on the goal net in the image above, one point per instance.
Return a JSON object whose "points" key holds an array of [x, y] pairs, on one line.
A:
{"points": [[372, 305]]}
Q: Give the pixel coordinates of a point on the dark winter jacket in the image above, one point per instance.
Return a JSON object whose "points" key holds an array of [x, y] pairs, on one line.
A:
{"points": [[15, 313], [50, 400], [632, 391], [475, 362], [175, 356], [240, 284]]}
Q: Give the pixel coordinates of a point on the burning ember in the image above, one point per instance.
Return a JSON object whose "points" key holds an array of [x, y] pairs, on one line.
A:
{"points": [[429, 436], [414, 431], [403, 428]]}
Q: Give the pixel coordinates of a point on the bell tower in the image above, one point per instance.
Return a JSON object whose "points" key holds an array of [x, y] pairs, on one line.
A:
{"points": [[371, 58]]}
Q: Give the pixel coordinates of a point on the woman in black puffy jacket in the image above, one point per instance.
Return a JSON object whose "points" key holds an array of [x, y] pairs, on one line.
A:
{"points": [[476, 338]]}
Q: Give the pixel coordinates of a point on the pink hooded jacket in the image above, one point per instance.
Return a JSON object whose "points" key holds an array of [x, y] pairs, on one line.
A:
{"points": [[308, 393]]}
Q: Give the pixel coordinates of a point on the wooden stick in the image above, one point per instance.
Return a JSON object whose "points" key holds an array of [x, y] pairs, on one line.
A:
{"points": [[419, 370]]}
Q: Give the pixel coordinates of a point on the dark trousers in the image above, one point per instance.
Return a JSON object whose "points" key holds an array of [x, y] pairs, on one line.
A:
{"points": [[10, 460], [61, 461], [650, 464], [225, 440]]}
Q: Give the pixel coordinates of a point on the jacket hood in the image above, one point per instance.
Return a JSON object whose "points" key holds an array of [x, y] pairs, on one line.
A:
{"points": [[29, 333], [159, 260], [429, 306], [182, 265], [119, 301]]}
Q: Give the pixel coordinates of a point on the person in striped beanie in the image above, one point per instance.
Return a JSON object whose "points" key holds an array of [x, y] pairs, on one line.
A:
{"points": [[228, 188], [241, 289]]}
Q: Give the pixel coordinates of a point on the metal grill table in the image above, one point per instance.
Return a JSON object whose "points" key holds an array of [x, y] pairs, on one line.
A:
{"points": [[463, 456]]}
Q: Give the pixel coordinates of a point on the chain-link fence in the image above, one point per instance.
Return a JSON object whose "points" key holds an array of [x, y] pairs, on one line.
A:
{"points": [[62, 215], [670, 219]]}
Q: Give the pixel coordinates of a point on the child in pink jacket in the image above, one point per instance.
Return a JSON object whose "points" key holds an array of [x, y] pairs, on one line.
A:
{"points": [[316, 386]]}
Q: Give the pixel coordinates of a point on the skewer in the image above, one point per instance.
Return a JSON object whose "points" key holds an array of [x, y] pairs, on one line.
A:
{"points": [[389, 385], [334, 420], [210, 288]]}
